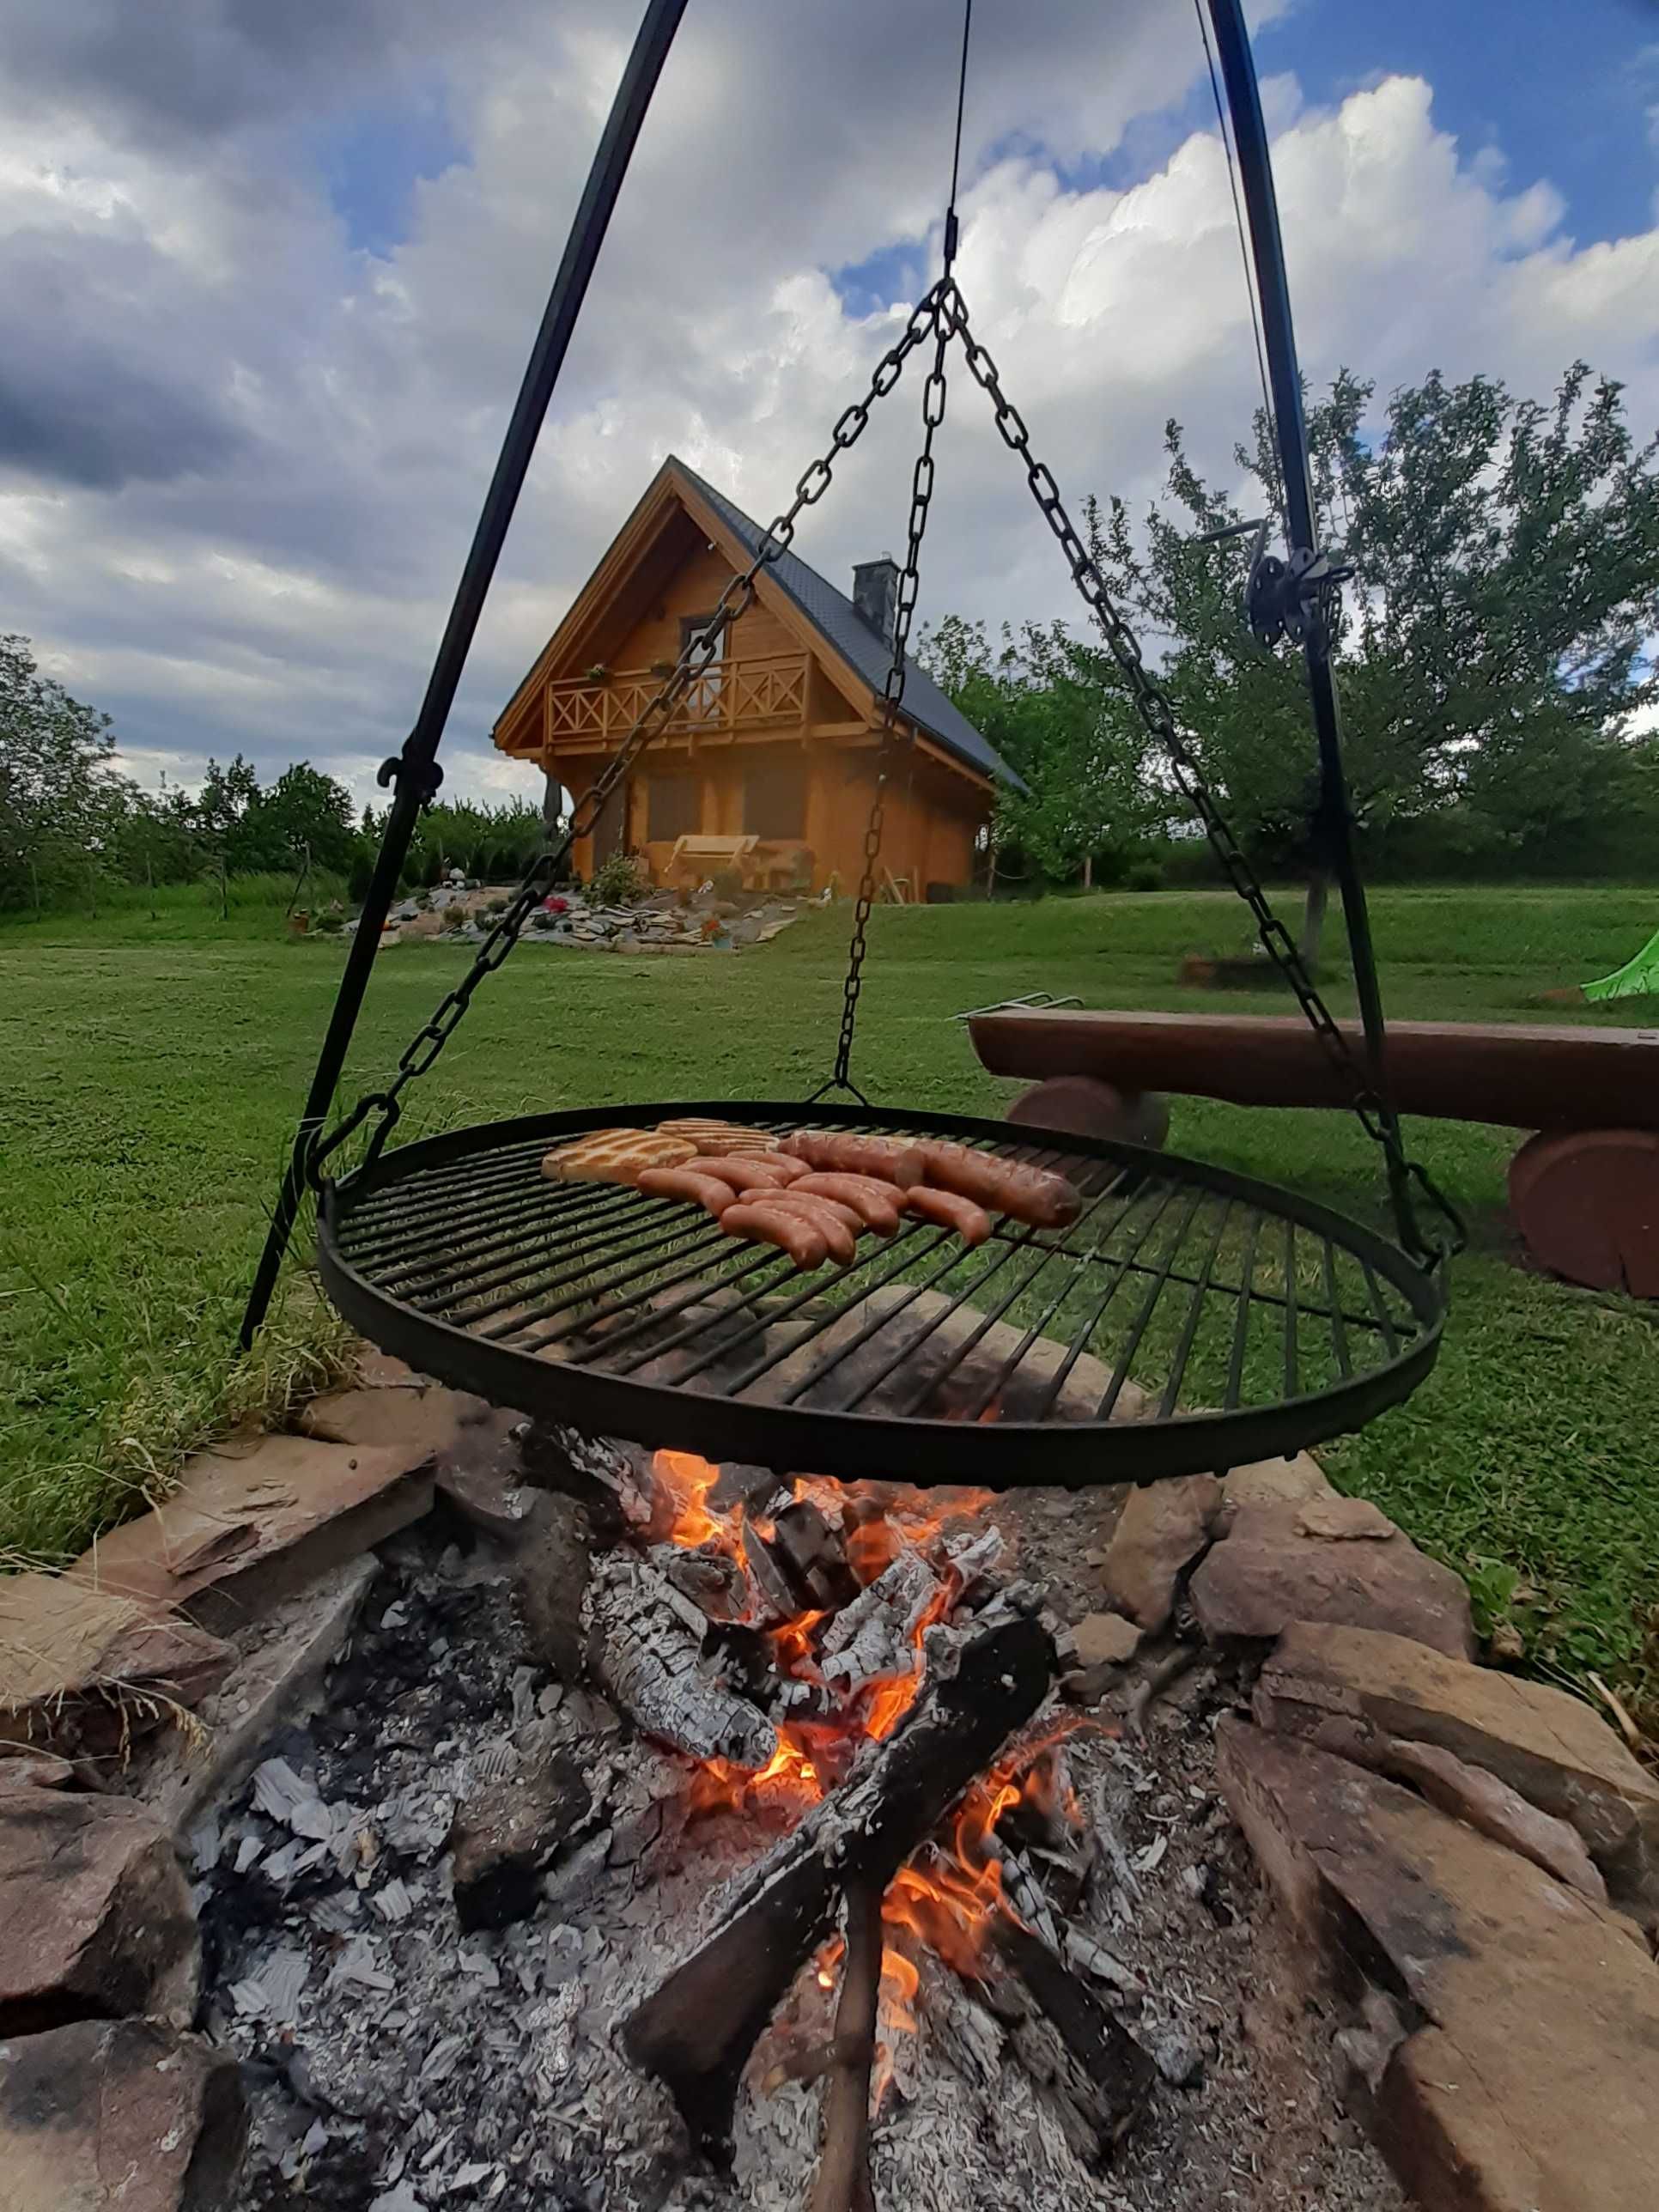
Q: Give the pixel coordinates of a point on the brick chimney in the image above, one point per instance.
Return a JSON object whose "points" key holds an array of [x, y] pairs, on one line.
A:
{"points": [[875, 594]]}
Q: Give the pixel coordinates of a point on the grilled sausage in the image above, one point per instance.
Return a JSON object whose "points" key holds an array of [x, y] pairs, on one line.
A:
{"points": [[743, 1173], [951, 1210], [884, 1158], [838, 1225], [783, 1163], [875, 1203], [803, 1240], [685, 1182], [1025, 1194]]}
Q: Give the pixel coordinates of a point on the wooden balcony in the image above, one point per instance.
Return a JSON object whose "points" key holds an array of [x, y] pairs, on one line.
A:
{"points": [[732, 696]]}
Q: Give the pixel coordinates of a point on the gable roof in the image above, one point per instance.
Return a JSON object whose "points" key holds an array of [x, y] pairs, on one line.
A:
{"points": [[839, 623]]}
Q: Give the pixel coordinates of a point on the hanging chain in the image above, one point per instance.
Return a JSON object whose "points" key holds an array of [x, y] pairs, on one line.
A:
{"points": [[695, 655], [1157, 714], [892, 695]]}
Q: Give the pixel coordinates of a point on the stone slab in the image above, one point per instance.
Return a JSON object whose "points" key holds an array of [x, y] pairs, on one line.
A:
{"points": [[1533, 2084], [1336, 1686], [94, 1915], [276, 1680], [1271, 1482], [123, 2116], [84, 1670], [247, 1527], [1162, 1528], [1279, 1563]]}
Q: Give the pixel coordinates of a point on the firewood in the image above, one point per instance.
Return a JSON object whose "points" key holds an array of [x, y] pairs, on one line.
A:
{"points": [[644, 1642], [1065, 2036], [843, 2176], [696, 2030]]}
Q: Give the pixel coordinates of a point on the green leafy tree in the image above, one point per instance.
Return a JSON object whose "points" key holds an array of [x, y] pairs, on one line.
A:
{"points": [[1045, 701], [1491, 651], [57, 786], [304, 814]]}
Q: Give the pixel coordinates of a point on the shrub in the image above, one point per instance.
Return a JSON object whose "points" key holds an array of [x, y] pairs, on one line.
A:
{"points": [[619, 880], [1145, 874]]}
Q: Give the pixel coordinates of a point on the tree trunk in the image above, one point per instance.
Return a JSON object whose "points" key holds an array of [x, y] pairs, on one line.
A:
{"points": [[1313, 919], [1088, 871]]}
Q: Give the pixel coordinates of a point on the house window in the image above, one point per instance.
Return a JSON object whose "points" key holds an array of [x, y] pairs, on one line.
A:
{"points": [[703, 701], [774, 799], [674, 808]]}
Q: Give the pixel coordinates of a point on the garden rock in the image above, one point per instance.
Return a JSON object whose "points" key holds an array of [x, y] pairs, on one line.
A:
{"points": [[275, 1681], [551, 1568], [1335, 1685], [1105, 1639], [1470, 1793], [94, 1917], [1533, 2079], [247, 1528], [123, 2116], [35, 1771], [1272, 1569], [1162, 1527], [83, 1670], [506, 1838], [1273, 1482]]}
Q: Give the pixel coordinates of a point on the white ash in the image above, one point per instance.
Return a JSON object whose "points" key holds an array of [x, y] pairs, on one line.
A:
{"points": [[422, 2067]]}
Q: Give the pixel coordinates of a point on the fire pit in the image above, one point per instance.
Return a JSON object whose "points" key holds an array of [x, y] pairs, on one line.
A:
{"points": [[733, 1841]]}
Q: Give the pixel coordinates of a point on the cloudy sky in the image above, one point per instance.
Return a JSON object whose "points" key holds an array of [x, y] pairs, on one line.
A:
{"points": [[269, 273]]}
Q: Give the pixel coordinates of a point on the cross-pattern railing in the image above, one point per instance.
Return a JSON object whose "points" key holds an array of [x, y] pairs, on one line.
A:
{"points": [[732, 695]]}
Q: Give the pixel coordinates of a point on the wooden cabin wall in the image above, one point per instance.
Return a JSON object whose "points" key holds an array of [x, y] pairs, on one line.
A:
{"points": [[694, 589]]}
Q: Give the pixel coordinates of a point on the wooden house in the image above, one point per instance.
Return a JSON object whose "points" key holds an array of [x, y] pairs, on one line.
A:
{"points": [[771, 758]]}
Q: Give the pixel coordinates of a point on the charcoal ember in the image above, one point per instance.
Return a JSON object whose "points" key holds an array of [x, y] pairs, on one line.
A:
{"points": [[812, 1557], [507, 1837], [713, 1581], [551, 1568], [875, 1634], [645, 1642]]}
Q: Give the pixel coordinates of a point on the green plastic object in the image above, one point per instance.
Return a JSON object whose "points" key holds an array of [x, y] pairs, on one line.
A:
{"points": [[1637, 979]]}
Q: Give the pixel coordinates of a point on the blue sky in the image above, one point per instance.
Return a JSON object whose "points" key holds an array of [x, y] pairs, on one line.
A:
{"points": [[1569, 89]]}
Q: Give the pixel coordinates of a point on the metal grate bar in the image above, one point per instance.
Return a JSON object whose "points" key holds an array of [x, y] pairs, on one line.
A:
{"points": [[1338, 1333], [1241, 1318], [757, 1260], [504, 1244], [933, 1383], [1289, 1309], [1184, 1351], [529, 1277], [633, 1264], [1138, 1329], [1158, 1195], [1380, 1307]]}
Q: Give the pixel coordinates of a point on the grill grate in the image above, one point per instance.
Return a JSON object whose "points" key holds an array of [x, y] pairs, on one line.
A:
{"points": [[1188, 1319]]}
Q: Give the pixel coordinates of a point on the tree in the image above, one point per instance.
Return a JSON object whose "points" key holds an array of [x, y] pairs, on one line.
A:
{"points": [[1044, 700], [1490, 652], [304, 813], [56, 782]]}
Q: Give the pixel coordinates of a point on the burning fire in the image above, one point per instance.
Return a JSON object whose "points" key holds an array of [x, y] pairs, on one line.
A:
{"points": [[948, 1897]]}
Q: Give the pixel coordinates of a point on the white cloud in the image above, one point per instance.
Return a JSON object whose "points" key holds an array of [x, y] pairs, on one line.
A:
{"points": [[257, 455]]}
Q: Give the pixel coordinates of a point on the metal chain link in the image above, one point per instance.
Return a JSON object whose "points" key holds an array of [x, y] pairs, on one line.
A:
{"points": [[696, 655], [892, 695], [1157, 714]]}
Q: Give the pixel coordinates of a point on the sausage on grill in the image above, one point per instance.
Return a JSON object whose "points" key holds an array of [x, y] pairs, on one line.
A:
{"points": [[838, 1225], [887, 1158], [803, 1240], [1026, 1193], [951, 1210], [687, 1183], [875, 1203]]}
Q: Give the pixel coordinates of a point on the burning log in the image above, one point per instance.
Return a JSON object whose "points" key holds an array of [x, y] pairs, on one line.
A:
{"points": [[1065, 2036], [696, 2030], [645, 1640]]}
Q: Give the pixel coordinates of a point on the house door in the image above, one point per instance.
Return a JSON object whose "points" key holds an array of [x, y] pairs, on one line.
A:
{"points": [[703, 701]]}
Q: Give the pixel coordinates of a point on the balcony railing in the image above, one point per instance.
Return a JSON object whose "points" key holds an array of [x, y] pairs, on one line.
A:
{"points": [[730, 696]]}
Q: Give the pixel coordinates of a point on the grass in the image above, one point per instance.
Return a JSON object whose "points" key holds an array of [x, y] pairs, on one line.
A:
{"points": [[152, 1082]]}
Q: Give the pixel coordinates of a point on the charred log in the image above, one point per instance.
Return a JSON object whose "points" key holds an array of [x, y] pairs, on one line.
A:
{"points": [[843, 2176], [646, 1645], [697, 2029], [1065, 2037]]}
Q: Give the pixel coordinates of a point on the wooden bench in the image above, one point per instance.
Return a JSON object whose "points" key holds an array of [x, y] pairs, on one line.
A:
{"points": [[1584, 1190]]}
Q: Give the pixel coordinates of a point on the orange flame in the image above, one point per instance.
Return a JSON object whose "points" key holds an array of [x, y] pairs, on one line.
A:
{"points": [[790, 1780], [680, 1511]]}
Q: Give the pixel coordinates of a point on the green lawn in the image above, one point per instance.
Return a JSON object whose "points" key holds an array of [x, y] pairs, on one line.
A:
{"points": [[153, 1079]]}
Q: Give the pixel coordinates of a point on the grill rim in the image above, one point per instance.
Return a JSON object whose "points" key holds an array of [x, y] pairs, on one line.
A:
{"points": [[1003, 1454]]}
